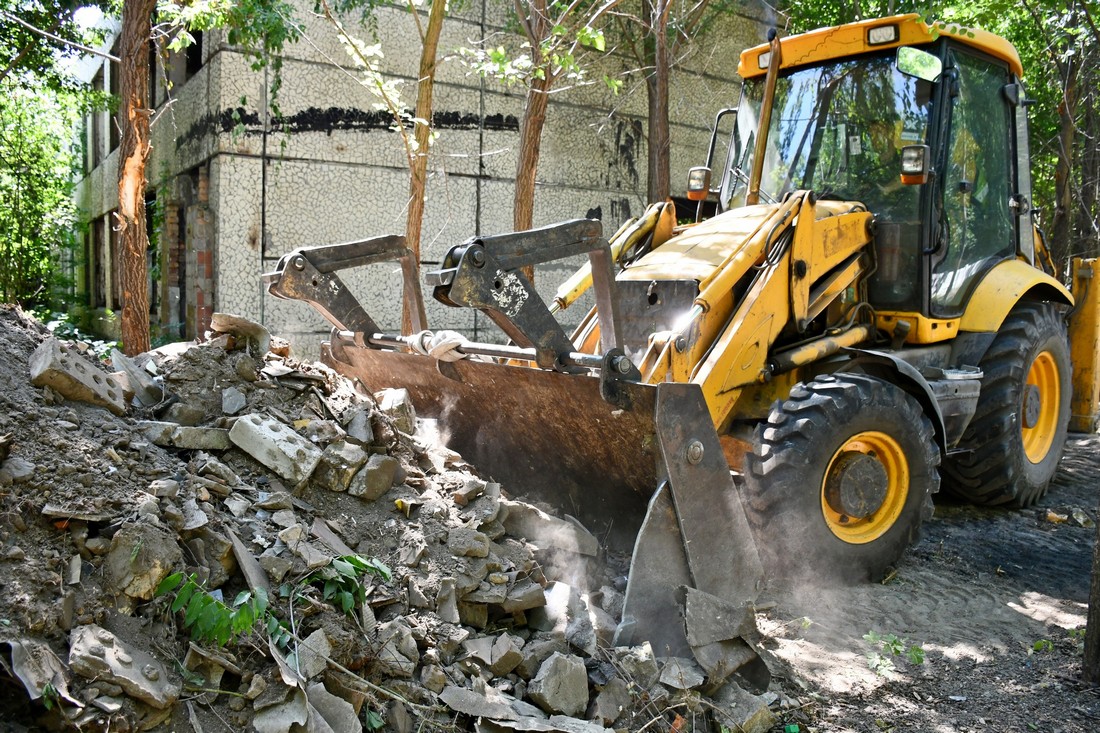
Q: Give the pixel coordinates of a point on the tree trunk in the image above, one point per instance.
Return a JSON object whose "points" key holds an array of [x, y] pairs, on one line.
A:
{"points": [[133, 154], [657, 181], [1090, 668], [527, 163], [413, 317], [1061, 228]]}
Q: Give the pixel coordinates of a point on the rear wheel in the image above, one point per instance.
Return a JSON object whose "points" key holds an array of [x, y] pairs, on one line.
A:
{"points": [[841, 478], [1015, 439]]}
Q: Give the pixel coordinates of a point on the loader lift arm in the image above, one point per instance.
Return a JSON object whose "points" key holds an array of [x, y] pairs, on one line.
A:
{"points": [[640, 464]]}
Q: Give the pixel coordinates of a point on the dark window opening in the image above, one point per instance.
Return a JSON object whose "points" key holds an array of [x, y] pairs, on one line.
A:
{"points": [[194, 55], [98, 118], [116, 91]]}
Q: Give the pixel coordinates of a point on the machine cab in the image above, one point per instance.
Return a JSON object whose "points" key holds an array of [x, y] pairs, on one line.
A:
{"points": [[922, 127]]}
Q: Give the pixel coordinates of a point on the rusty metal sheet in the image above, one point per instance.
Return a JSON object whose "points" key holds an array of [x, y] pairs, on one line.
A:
{"points": [[541, 434]]}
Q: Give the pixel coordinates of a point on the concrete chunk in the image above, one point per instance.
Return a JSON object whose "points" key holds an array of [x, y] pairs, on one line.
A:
{"points": [[739, 710], [233, 400], [463, 542], [97, 654], [561, 686], [375, 478], [338, 713], [535, 525], [276, 446], [681, 673], [506, 654], [397, 404], [141, 556], [397, 653], [609, 705], [66, 372], [523, 596], [171, 435], [339, 463]]}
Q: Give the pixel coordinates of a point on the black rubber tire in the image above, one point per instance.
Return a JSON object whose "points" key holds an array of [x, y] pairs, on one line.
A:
{"points": [[785, 477], [995, 468]]}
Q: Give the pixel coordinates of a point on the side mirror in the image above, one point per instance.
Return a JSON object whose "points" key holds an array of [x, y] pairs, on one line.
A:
{"points": [[915, 168], [921, 64], [698, 183]]}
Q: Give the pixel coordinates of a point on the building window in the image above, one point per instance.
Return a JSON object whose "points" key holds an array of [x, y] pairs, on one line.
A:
{"points": [[98, 118], [116, 91]]}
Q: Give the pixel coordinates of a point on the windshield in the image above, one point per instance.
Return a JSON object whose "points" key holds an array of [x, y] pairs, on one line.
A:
{"points": [[836, 129]]}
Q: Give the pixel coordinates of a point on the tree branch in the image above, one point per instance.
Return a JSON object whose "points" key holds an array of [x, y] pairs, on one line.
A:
{"points": [[64, 41]]}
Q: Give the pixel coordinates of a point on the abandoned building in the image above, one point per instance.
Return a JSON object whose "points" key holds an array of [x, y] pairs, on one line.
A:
{"points": [[240, 176]]}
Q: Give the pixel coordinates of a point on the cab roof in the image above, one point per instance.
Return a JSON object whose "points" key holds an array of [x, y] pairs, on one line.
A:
{"points": [[853, 39]]}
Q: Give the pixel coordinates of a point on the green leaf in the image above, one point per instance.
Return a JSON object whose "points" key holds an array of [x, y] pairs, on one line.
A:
{"points": [[347, 602], [242, 598], [183, 596], [375, 721], [345, 568], [169, 584], [194, 607], [915, 654]]}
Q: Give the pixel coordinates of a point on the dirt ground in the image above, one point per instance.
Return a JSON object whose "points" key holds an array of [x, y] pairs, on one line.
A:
{"points": [[996, 599]]}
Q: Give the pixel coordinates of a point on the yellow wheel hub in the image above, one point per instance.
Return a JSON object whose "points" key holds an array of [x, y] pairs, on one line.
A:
{"points": [[1041, 400], [865, 487]]}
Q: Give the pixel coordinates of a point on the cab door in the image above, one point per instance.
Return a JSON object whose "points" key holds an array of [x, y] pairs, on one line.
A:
{"points": [[976, 186]]}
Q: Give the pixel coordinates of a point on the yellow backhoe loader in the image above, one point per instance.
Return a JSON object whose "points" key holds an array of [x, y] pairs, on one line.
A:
{"points": [[861, 313]]}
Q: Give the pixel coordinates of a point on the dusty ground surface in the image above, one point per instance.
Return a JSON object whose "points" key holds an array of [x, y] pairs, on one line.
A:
{"points": [[994, 599]]}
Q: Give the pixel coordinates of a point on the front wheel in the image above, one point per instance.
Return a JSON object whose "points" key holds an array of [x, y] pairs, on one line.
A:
{"points": [[841, 479], [1011, 448]]}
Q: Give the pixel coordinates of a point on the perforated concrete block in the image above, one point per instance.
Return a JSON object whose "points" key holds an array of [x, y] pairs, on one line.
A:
{"points": [[276, 446], [62, 369]]}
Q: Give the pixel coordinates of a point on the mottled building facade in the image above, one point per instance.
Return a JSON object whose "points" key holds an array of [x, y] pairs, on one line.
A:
{"points": [[239, 177]]}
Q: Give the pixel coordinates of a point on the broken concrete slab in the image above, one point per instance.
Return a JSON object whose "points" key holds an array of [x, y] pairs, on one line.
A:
{"points": [[739, 710], [681, 673], [464, 542], [337, 712], [375, 478], [276, 446], [397, 404], [536, 651], [97, 654], [358, 427], [556, 724], [506, 654], [611, 702], [36, 666], [311, 655], [397, 653], [250, 333], [638, 663], [561, 686], [524, 595], [493, 704], [65, 371], [233, 400], [446, 601], [146, 391], [524, 520], [284, 716], [171, 435], [141, 556]]}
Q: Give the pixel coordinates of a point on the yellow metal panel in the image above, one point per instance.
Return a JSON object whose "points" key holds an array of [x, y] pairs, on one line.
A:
{"points": [[1000, 290], [1084, 342], [820, 245], [851, 39], [740, 354], [697, 251], [922, 329]]}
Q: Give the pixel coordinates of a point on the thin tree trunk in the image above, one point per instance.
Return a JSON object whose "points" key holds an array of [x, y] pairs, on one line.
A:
{"points": [[413, 310], [133, 154], [657, 180], [1091, 666], [1061, 228], [530, 140]]}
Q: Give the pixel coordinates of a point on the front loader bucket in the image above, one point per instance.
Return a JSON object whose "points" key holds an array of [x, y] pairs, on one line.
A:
{"points": [[650, 479], [638, 464]]}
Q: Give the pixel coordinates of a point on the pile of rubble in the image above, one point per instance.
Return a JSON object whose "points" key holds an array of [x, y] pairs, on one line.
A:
{"points": [[248, 472]]}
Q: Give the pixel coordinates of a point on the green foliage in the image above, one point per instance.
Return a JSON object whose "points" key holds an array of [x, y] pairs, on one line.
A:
{"points": [[211, 620], [886, 648], [375, 721], [1041, 646], [38, 218], [34, 61], [341, 580]]}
